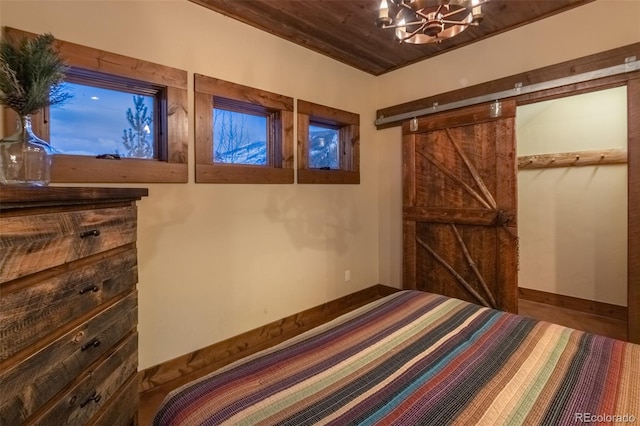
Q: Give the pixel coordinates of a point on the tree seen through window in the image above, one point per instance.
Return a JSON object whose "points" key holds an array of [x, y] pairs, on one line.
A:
{"points": [[138, 140], [100, 121], [239, 138]]}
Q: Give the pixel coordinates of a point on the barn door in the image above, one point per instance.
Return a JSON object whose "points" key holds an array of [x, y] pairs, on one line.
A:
{"points": [[459, 212]]}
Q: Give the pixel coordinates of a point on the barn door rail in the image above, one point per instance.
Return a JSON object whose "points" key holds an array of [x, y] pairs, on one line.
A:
{"points": [[630, 64]]}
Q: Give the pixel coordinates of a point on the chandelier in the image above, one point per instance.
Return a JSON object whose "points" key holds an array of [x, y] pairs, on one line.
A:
{"points": [[429, 21]]}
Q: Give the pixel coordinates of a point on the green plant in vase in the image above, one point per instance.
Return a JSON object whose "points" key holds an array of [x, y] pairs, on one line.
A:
{"points": [[31, 77]]}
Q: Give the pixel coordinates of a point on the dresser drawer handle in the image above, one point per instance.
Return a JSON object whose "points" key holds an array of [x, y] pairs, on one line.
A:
{"points": [[93, 288], [92, 233], [92, 344], [95, 397]]}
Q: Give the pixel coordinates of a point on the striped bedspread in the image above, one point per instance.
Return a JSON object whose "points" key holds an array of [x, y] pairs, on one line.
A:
{"points": [[419, 358]]}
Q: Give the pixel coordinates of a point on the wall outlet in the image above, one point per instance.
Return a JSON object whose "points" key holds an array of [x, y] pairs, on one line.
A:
{"points": [[347, 275]]}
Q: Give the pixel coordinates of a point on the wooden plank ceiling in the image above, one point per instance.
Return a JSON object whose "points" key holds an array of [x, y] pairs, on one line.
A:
{"points": [[345, 30]]}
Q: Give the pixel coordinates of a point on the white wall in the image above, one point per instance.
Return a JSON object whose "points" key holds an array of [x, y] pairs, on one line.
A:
{"points": [[569, 35], [572, 222], [218, 260]]}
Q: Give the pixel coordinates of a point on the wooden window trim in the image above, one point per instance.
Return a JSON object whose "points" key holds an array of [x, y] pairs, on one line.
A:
{"points": [[348, 124], [280, 168], [85, 169]]}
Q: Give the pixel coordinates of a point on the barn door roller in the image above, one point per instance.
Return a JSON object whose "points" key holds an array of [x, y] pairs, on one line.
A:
{"points": [[495, 109]]}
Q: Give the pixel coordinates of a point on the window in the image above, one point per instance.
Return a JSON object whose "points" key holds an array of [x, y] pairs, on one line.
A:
{"points": [[240, 138], [328, 145], [243, 135], [324, 147], [120, 120], [127, 120]]}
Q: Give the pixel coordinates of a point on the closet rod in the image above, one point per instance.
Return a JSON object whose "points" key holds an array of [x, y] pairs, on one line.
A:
{"points": [[573, 159], [630, 64]]}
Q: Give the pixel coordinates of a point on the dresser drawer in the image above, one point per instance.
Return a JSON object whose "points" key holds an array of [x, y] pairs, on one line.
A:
{"points": [[29, 313], [29, 384], [121, 409], [95, 389], [34, 243]]}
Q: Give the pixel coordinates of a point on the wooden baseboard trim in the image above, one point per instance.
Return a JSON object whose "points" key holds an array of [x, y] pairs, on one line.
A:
{"points": [[227, 351], [569, 302]]}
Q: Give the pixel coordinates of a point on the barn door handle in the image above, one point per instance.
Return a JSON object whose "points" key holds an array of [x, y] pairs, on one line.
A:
{"points": [[503, 218], [92, 344], [94, 397], [92, 233]]}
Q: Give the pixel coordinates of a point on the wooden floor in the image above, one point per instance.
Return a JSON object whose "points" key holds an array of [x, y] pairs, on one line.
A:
{"points": [[150, 401], [604, 326]]}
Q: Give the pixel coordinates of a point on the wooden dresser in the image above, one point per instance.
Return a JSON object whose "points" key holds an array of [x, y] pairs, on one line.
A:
{"points": [[68, 306]]}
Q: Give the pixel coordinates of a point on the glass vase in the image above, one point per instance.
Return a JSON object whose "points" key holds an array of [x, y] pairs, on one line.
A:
{"points": [[25, 159]]}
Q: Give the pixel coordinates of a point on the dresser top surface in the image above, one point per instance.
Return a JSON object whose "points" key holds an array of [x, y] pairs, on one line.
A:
{"points": [[12, 197]]}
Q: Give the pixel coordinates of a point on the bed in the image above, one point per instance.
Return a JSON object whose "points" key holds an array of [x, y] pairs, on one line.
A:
{"points": [[420, 358]]}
